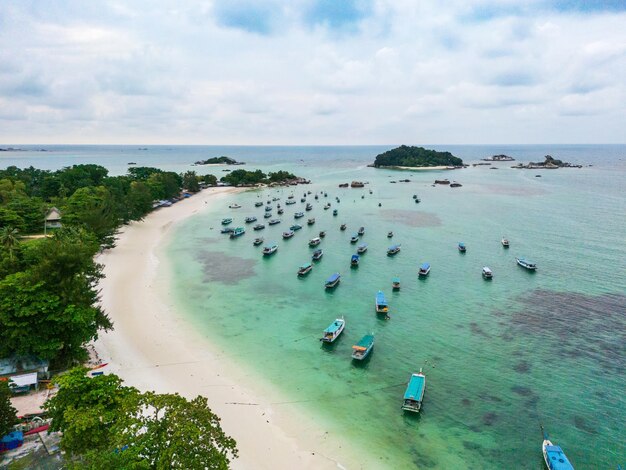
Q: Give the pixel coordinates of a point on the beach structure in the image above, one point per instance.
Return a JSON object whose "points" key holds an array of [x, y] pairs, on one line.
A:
{"points": [[52, 220], [23, 372]]}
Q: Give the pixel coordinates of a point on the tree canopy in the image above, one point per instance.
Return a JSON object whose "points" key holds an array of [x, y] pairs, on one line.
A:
{"points": [[416, 157], [8, 415], [244, 177]]}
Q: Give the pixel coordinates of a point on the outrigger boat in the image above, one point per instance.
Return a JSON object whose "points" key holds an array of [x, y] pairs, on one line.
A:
{"points": [[462, 247], [381, 303], [239, 231], [395, 283], [317, 255], [389, 234], [505, 242], [362, 248], [305, 269], [258, 241], [297, 215], [311, 221], [274, 221], [332, 281], [227, 221], [354, 261], [393, 249], [424, 270], [525, 263], [355, 238], [250, 219], [270, 249], [295, 227], [414, 393], [487, 273], [333, 331], [553, 455], [288, 234], [361, 349], [315, 241], [322, 234], [361, 231], [343, 227]]}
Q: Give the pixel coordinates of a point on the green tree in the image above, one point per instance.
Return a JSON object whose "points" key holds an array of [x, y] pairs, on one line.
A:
{"points": [[139, 199], [95, 209], [10, 218], [9, 240], [209, 179], [31, 210], [8, 415], [190, 182]]}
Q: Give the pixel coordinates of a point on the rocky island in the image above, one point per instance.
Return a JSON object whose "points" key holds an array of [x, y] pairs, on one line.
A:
{"points": [[223, 160], [416, 158], [499, 158], [548, 163]]}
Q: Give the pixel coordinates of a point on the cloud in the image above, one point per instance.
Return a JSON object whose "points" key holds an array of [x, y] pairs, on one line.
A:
{"points": [[338, 15], [248, 15]]}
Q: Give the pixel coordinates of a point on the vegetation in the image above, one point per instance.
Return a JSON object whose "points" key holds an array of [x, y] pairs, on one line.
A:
{"points": [[248, 178], [416, 157], [219, 160], [108, 425], [8, 415]]}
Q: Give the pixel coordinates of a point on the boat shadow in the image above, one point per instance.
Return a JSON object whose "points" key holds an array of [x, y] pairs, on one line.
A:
{"points": [[412, 418]]}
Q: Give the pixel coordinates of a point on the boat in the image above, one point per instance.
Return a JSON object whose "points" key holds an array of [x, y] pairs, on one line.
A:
{"points": [[311, 221], [227, 221], [389, 234], [308, 207], [295, 227], [487, 273], [462, 247], [276, 199], [424, 269], [239, 231], [303, 199], [395, 283], [361, 231], [393, 249], [227, 230], [288, 234], [258, 227], [267, 215], [333, 331], [342, 227], [290, 201], [332, 281], [414, 196], [274, 221], [270, 249], [455, 185], [414, 393], [354, 238], [335, 212], [258, 241], [526, 263], [417, 201], [361, 349], [290, 197], [258, 204], [317, 255], [505, 242], [381, 303], [322, 234], [234, 206], [305, 269], [297, 215], [315, 241], [250, 219], [553, 455], [327, 206], [280, 211], [354, 261], [362, 248]]}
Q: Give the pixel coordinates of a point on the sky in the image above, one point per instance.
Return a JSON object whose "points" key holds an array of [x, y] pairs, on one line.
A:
{"points": [[312, 72]]}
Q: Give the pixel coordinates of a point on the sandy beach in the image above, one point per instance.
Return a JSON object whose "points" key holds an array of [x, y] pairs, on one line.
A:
{"points": [[152, 347]]}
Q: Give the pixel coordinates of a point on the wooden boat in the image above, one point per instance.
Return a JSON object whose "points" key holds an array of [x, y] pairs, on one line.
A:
{"points": [[414, 393], [227, 221], [274, 221], [342, 227], [250, 219], [455, 185], [354, 260], [362, 248], [258, 204], [280, 211], [417, 201], [487, 273], [290, 201], [234, 206], [288, 234], [381, 303], [327, 206], [389, 234], [362, 349], [258, 241], [505, 242], [553, 455], [295, 227], [276, 199], [395, 283], [322, 234], [311, 221], [305, 269], [333, 331], [270, 249], [424, 270], [290, 197], [393, 249], [462, 247], [317, 255], [308, 207], [354, 238], [525, 263], [239, 231], [303, 199], [227, 230], [267, 215], [315, 241], [361, 231], [332, 281], [297, 215], [335, 212]]}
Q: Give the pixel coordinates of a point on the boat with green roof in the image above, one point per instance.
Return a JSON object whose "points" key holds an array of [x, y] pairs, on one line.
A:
{"points": [[239, 231], [362, 349], [305, 269], [414, 393]]}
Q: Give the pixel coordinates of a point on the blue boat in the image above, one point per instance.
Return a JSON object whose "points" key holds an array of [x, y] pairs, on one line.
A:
{"points": [[525, 263], [332, 281], [333, 331], [305, 269], [553, 455], [354, 238], [239, 231], [381, 303], [395, 283], [227, 230], [424, 269], [354, 261], [414, 393], [393, 249], [362, 248], [462, 247], [317, 255], [295, 227], [361, 349]]}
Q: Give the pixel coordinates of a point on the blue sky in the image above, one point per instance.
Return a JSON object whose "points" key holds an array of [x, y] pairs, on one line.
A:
{"points": [[312, 71]]}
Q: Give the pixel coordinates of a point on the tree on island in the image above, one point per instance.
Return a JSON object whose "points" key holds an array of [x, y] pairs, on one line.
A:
{"points": [[249, 178], [8, 414], [416, 157]]}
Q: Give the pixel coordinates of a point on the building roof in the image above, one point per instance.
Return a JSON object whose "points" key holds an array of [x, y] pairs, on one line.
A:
{"points": [[53, 214]]}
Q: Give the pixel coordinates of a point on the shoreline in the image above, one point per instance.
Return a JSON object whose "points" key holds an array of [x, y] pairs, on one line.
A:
{"points": [[417, 168], [154, 347]]}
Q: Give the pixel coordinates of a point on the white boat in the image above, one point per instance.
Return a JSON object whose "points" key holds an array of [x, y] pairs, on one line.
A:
{"points": [[234, 206], [333, 331], [315, 241], [525, 263], [505, 242], [424, 269], [487, 273], [270, 249]]}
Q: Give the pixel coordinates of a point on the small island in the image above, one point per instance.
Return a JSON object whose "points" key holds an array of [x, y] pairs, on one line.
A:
{"points": [[412, 158], [223, 160], [245, 178], [499, 158], [549, 163]]}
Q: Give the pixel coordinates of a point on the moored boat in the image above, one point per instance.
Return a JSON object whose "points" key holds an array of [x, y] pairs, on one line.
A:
{"points": [[239, 231], [270, 249], [234, 206], [424, 269], [525, 263], [315, 241], [297, 215], [305, 269], [250, 219], [462, 247], [381, 303], [258, 241], [393, 249], [308, 207], [280, 211], [290, 201], [311, 221], [227, 230], [227, 221], [362, 349], [505, 242], [414, 393], [361, 231], [332, 281], [553, 455], [333, 331], [354, 238], [327, 206], [354, 260], [335, 212], [267, 215], [274, 221], [317, 255], [362, 248], [295, 227], [487, 273], [268, 208], [390, 234], [343, 227], [288, 234], [322, 234], [395, 283], [258, 204]]}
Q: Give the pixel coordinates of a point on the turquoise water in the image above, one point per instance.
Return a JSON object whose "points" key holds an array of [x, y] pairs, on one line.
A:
{"points": [[500, 357]]}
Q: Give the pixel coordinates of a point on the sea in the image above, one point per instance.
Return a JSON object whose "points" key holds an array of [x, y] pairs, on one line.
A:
{"points": [[501, 357]]}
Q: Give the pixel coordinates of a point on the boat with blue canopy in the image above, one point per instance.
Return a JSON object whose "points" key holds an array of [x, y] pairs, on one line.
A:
{"points": [[381, 303], [317, 255], [227, 221], [362, 248], [553, 455], [526, 263], [239, 231], [297, 215], [305, 269], [354, 238], [414, 393], [295, 227], [395, 283], [270, 249], [333, 331], [393, 249], [462, 247], [362, 349], [332, 281], [354, 260], [424, 269]]}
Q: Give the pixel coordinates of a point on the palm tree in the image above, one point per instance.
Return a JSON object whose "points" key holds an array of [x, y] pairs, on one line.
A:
{"points": [[9, 240]]}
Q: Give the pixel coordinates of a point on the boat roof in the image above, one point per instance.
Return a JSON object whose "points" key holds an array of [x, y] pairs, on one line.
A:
{"points": [[415, 388], [461, 244], [334, 326], [486, 269], [271, 245], [395, 279], [355, 256], [305, 265], [557, 458], [380, 298], [333, 277], [364, 342], [394, 247], [362, 245], [425, 266]]}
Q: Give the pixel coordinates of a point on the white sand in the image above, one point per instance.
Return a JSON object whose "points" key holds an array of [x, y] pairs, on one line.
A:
{"points": [[153, 348]]}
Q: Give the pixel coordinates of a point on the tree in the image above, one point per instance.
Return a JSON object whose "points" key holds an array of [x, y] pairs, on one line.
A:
{"points": [[10, 218], [9, 240], [93, 208], [8, 414], [190, 182], [209, 179]]}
